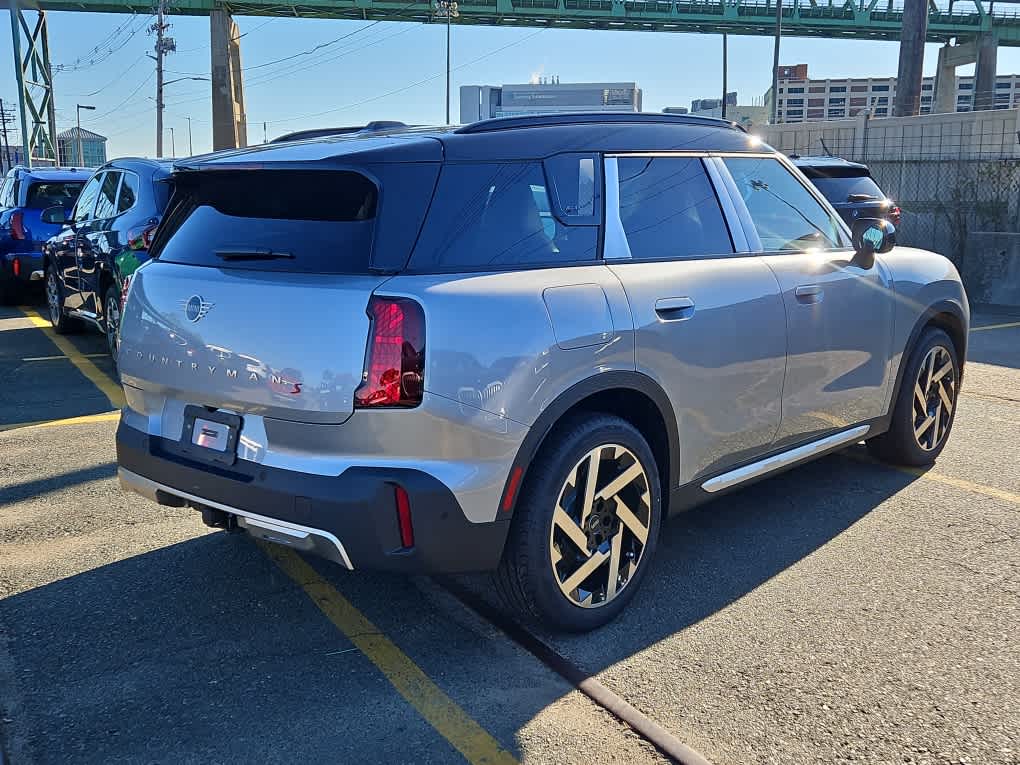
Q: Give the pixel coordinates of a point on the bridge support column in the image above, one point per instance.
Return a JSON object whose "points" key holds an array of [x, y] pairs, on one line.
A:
{"points": [[908, 77], [984, 74], [950, 57], [230, 129]]}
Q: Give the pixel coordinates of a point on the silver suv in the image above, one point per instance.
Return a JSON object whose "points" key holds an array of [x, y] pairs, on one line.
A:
{"points": [[518, 345]]}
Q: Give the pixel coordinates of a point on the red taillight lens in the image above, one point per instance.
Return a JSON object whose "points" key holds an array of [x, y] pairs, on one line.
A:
{"points": [[141, 238], [18, 225], [125, 283], [404, 516], [16, 266], [395, 365], [894, 215]]}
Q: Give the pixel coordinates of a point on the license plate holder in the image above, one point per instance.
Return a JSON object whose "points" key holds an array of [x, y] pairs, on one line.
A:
{"points": [[210, 436]]}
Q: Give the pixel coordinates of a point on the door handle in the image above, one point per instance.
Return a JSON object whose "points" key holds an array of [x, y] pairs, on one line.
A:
{"points": [[808, 293], [675, 308]]}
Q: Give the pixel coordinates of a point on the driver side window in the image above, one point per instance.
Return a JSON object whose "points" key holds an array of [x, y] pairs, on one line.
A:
{"points": [[87, 199], [786, 215]]}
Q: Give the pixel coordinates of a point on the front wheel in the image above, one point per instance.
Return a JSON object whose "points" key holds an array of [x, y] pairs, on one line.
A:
{"points": [[62, 324], [586, 526], [926, 405]]}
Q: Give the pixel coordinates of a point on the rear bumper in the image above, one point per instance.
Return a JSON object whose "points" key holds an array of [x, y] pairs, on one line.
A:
{"points": [[350, 518], [30, 268]]}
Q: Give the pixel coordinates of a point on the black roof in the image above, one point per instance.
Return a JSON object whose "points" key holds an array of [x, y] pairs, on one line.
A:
{"points": [[826, 162], [516, 138]]}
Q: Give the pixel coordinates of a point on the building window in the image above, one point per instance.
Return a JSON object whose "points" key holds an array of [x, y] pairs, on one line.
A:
{"points": [[795, 102], [858, 88], [881, 111], [816, 102], [927, 86], [837, 102], [926, 109], [795, 113], [963, 99], [1003, 85], [838, 89], [858, 101], [815, 113], [879, 88], [837, 113], [966, 86], [816, 89], [795, 90], [882, 100]]}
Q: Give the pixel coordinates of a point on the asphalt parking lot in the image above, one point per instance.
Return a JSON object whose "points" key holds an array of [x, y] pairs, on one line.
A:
{"points": [[842, 612]]}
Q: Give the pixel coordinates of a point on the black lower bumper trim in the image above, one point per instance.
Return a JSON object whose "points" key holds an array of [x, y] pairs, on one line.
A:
{"points": [[357, 507]]}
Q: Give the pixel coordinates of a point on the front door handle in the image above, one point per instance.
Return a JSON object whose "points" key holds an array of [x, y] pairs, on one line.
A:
{"points": [[808, 293], [675, 308]]}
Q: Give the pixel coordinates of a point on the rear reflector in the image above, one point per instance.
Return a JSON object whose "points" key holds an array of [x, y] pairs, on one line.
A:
{"points": [[404, 516], [394, 373], [16, 266], [511, 488]]}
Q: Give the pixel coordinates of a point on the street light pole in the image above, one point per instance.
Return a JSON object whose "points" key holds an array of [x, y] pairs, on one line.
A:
{"points": [[81, 153], [191, 149], [447, 8], [173, 149], [724, 75]]}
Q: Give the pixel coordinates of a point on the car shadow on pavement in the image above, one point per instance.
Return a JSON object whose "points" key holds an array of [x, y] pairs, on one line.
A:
{"points": [[57, 482], [204, 650]]}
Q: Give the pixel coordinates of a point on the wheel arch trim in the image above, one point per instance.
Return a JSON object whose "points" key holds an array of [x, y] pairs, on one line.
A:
{"points": [[617, 380]]}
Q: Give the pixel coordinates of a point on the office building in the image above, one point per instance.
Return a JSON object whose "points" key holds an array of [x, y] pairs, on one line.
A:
{"points": [[804, 99], [93, 148], [479, 102]]}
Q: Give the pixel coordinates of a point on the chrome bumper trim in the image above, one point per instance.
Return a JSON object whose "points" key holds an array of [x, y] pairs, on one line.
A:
{"points": [[269, 529], [784, 459]]}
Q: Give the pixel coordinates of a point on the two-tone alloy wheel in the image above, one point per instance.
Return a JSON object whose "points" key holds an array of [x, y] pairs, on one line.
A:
{"points": [[585, 525], [926, 404]]}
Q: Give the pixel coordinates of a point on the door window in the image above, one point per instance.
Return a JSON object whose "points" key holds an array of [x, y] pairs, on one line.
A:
{"points": [[87, 201], [669, 209], [785, 214], [106, 204], [128, 193]]}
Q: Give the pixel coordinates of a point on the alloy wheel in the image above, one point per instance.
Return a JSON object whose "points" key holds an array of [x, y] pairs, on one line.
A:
{"points": [[934, 398], [112, 322], [600, 526], [53, 297]]}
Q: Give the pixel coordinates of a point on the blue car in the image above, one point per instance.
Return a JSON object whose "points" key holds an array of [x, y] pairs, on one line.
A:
{"points": [[24, 194]]}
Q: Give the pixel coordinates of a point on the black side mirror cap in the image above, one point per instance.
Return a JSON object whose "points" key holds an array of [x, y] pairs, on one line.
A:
{"points": [[872, 236], [54, 214]]}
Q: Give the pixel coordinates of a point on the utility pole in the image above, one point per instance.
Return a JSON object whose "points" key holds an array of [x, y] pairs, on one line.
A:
{"points": [[775, 61], [4, 119], [191, 149], [164, 45], [447, 8], [724, 75]]}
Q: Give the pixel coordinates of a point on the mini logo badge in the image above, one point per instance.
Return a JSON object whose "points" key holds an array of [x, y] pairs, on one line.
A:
{"points": [[195, 308]]}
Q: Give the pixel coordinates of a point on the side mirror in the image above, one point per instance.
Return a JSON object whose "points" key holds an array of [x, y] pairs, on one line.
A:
{"points": [[873, 235], [54, 214]]}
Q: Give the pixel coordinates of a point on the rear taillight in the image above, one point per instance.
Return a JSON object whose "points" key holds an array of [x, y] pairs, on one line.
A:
{"points": [[894, 215], [141, 238], [395, 362], [18, 225], [16, 266], [125, 284]]}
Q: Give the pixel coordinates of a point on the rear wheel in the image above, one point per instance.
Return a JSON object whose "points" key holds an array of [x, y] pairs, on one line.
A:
{"points": [[585, 528], [926, 404], [111, 319], [9, 292], [62, 324]]}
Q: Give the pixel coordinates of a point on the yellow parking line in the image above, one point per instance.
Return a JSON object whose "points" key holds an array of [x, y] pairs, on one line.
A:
{"points": [[931, 475], [438, 709], [82, 420], [95, 375], [1007, 325], [62, 357]]}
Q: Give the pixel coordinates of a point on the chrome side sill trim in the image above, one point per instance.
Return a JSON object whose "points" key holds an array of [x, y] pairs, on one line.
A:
{"points": [[785, 459], [271, 528]]}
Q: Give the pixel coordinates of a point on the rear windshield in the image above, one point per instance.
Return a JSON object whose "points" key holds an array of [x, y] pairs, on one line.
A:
{"points": [[840, 188], [312, 221], [46, 194]]}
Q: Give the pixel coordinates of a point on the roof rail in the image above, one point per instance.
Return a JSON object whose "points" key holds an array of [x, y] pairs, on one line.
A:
{"points": [[590, 118], [377, 126]]}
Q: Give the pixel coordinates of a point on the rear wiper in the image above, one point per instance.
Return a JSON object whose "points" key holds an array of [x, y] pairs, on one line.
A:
{"points": [[253, 254], [861, 198]]}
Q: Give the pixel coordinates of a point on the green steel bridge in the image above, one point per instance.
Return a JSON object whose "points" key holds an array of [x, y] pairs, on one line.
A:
{"points": [[862, 20]]}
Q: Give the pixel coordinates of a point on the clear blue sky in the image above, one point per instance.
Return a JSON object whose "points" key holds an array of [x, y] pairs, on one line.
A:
{"points": [[391, 56]]}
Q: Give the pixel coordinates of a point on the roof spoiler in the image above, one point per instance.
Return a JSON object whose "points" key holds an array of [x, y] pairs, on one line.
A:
{"points": [[594, 118]]}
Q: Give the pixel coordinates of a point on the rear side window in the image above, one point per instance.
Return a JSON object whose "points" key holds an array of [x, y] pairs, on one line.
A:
{"points": [[283, 220], [494, 215], [128, 193], [64, 193], [5, 193], [669, 209], [785, 214], [847, 188]]}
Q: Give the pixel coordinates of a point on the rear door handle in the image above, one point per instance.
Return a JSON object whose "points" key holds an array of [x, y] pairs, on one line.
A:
{"points": [[809, 293], [675, 308]]}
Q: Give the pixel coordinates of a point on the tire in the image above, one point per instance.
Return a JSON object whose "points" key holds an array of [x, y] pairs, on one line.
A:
{"points": [[9, 292], [111, 320], [62, 324], [544, 550], [920, 428]]}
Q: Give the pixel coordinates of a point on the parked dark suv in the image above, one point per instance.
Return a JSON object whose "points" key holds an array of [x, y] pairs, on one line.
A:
{"points": [[106, 237], [849, 187], [518, 345], [24, 194]]}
